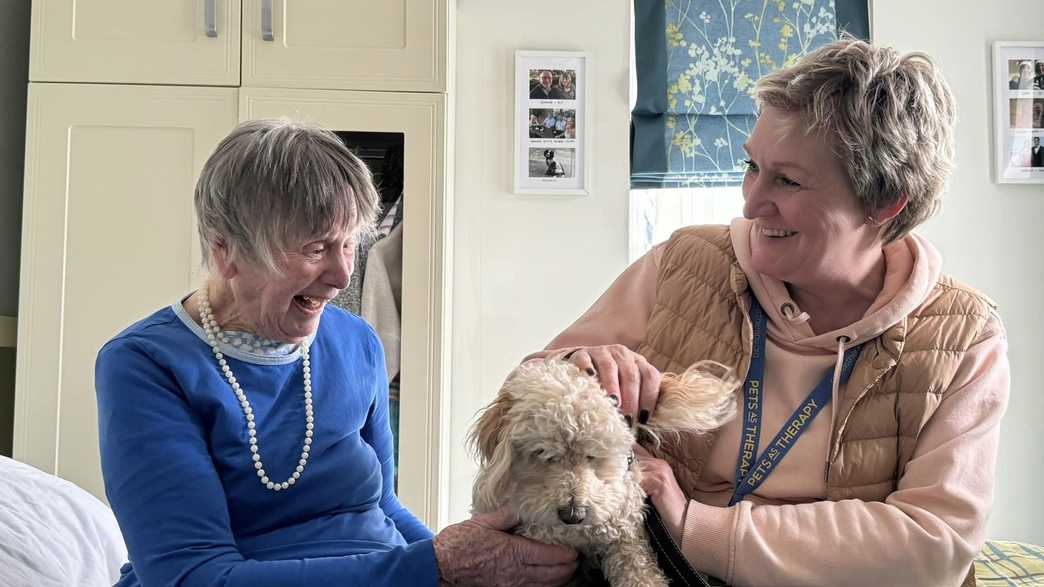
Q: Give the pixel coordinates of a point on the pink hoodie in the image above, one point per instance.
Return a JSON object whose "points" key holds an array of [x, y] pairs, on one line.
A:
{"points": [[925, 533]]}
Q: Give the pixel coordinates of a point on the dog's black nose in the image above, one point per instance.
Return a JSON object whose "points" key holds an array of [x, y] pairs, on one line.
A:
{"points": [[572, 514]]}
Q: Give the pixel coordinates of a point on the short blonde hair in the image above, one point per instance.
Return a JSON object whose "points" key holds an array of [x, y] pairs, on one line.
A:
{"points": [[272, 182], [891, 118]]}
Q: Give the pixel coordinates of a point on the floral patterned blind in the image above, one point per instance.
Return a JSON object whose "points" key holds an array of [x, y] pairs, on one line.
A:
{"points": [[697, 61]]}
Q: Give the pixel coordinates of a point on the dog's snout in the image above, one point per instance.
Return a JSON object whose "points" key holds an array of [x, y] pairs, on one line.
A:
{"points": [[572, 514]]}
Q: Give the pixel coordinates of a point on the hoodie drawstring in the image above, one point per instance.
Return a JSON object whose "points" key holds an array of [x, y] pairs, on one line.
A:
{"points": [[787, 310], [841, 342]]}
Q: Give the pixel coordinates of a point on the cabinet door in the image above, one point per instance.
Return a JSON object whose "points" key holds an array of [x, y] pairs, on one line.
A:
{"points": [[397, 45], [108, 237], [136, 41], [423, 408]]}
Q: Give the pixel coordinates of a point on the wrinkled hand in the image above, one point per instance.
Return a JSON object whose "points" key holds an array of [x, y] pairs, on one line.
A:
{"points": [[625, 375], [660, 484], [480, 552]]}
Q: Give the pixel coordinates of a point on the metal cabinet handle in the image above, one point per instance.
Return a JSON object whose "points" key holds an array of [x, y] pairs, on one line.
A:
{"points": [[266, 20], [210, 18]]}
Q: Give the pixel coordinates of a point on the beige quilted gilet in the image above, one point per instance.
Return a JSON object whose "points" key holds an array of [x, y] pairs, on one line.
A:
{"points": [[701, 313]]}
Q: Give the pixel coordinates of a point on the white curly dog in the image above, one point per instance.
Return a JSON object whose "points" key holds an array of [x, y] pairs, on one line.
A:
{"points": [[554, 449]]}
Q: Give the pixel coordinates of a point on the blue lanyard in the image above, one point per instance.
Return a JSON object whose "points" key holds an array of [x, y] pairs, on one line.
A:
{"points": [[751, 472]]}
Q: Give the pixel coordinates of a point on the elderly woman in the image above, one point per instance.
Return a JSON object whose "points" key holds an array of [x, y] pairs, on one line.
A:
{"points": [[244, 429], [874, 384]]}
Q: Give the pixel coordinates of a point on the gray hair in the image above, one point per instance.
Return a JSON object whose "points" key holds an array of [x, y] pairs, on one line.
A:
{"points": [[890, 116], [271, 183]]}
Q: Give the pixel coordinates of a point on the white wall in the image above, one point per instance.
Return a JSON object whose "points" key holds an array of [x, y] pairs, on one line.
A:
{"points": [[527, 266], [990, 234]]}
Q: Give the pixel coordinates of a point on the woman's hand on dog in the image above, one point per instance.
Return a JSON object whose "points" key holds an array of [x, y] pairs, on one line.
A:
{"points": [[660, 484], [625, 375], [480, 552]]}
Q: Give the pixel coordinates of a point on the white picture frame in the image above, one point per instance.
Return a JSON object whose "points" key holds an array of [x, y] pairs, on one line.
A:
{"points": [[1018, 111], [551, 123]]}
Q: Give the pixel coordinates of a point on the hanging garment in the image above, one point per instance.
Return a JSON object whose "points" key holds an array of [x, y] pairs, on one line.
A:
{"points": [[350, 297], [381, 302]]}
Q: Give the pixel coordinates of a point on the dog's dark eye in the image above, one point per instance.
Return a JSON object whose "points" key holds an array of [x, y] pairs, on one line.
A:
{"points": [[542, 455], [591, 458]]}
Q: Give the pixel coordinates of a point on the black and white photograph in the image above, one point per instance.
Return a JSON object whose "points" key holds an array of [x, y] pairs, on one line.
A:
{"points": [[1018, 117], [552, 84], [552, 150], [1025, 74], [546, 123], [551, 162], [1028, 152]]}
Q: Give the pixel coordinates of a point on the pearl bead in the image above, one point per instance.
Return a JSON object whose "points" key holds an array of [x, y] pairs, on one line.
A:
{"points": [[213, 335]]}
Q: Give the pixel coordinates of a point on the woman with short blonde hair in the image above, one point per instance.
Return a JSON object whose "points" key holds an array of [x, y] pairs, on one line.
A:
{"points": [[873, 383]]}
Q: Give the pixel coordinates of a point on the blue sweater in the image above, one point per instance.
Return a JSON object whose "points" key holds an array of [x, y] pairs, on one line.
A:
{"points": [[179, 475]]}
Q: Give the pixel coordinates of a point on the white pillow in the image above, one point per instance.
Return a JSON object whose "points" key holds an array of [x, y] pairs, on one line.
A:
{"points": [[54, 533]]}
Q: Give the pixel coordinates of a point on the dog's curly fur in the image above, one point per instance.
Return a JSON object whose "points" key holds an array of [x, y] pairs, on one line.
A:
{"points": [[553, 448]]}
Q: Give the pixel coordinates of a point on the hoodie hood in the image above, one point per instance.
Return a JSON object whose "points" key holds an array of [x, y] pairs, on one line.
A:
{"points": [[912, 267]]}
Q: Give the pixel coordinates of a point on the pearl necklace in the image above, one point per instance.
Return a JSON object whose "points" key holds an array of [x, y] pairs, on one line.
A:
{"points": [[214, 335]]}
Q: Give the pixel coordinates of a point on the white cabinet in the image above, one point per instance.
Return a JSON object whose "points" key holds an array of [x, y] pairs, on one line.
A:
{"points": [[136, 41], [397, 45], [107, 238]]}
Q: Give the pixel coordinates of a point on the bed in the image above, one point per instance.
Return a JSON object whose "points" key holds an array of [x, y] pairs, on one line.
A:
{"points": [[52, 533]]}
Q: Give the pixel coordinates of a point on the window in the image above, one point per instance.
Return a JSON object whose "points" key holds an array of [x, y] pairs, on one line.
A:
{"points": [[656, 213], [694, 64]]}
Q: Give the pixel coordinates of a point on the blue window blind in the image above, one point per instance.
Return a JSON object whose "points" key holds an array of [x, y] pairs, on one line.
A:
{"points": [[697, 61]]}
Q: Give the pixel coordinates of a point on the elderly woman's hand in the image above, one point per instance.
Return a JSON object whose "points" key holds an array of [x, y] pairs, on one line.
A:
{"points": [[625, 375], [661, 485], [480, 552]]}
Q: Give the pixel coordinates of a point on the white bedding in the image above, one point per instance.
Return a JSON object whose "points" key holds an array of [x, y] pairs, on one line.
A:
{"points": [[54, 533]]}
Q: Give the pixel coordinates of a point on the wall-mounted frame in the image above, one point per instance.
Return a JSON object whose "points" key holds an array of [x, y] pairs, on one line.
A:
{"points": [[552, 150], [1018, 111]]}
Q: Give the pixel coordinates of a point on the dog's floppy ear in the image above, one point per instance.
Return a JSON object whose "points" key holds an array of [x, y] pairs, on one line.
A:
{"points": [[486, 434], [487, 440], [698, 400]]}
